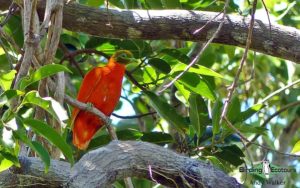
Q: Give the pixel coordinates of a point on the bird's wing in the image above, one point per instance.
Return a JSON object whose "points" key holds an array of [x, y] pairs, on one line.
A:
{"points": [[89, 84]]}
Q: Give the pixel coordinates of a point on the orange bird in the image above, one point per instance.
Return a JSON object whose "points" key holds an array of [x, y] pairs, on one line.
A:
{"points": [[102, 88]]}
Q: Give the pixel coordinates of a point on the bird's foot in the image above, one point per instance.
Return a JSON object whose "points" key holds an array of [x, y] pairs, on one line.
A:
{"points": [[89, 106]]}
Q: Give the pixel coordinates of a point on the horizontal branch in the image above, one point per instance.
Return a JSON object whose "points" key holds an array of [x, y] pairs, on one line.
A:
{"points": [[119, 159], [281, 41], [101, 167]]}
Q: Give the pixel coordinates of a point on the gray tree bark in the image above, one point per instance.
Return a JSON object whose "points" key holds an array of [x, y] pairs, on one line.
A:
{"points": [[280, 41], [119, 159]]}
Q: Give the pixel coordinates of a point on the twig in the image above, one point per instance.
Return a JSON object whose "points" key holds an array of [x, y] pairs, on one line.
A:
{"points": [[83, 106], [286, 107], [237, 76], [279, 90], [201, 51], [133, 116], [259, 145]]}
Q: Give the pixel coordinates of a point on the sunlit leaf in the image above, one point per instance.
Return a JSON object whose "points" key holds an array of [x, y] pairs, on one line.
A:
{"points": [[5, 164], [197, 85], [41, 73], [6, 79], [198, 69], [48, 104], [7, 155], [296, 148]]}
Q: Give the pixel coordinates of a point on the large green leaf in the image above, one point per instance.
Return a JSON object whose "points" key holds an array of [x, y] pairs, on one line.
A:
{"points": [[249, 112], [167, 112], [51, 135], [177, 55], [234, 109], [231, 154], [20, 134], [216, 116], [5, 164], [198, 114], [157, 138], [6, 79], [41, 73], [198, 85], [160, 65], [198, 69], [48, 104]]}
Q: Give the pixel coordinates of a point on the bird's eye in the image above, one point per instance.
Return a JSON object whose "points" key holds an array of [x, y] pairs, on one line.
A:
{"points": [[123, 55]]}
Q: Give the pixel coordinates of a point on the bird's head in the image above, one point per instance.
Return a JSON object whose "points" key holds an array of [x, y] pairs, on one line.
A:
{"points": [[123, 57]]}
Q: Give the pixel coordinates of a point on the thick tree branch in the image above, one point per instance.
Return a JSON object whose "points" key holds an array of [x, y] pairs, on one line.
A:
{"points": [[281, 42], [119, 159]]}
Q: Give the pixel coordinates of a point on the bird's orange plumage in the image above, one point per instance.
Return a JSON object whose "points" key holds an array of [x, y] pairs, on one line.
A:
{"points": [[102, 87]]}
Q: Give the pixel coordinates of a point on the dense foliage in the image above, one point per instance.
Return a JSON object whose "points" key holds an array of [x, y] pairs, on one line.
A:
{"points": [[185, 116]]}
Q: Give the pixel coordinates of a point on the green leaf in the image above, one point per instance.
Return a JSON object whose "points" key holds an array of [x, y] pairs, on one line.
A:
{"points": [[41, 73], [6, 79], [20, 134], [167, 112], [5, 164], [231, 154], [129, 134], [51, 135], [171, 4], [126, 134], [197, 85], [198, 69], [216, 116], [48, 104], [8, 95], [249, 112], [160, 65], [157, 137], [95, 3], [183, 92], [177, 55], [234, 109], [198, 114], [296, 148], [14, 159], [129, 4], [244, 128], [131, 46], [99, 141], [42, 152], [154, 4], [216, 162]]}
